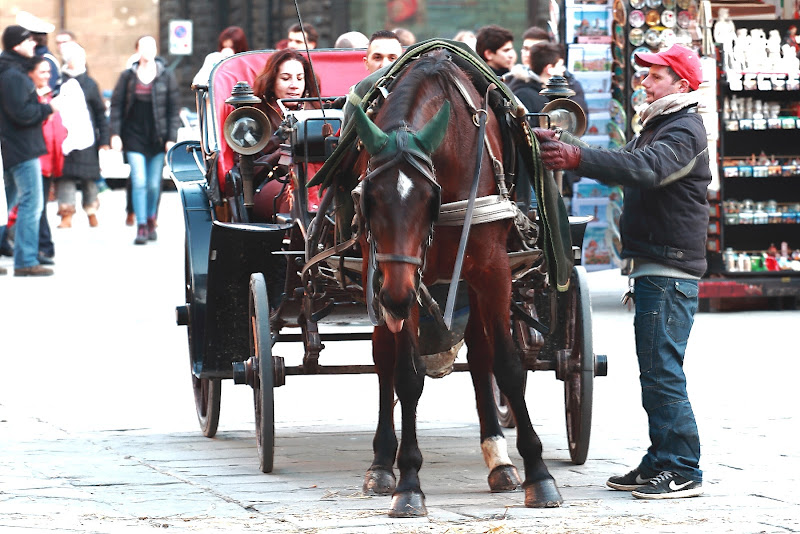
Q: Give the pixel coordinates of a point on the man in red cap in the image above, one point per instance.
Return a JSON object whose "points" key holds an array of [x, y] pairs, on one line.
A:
{"points": [[665, 173]]}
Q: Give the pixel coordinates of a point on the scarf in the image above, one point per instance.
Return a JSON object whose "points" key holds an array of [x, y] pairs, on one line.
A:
{"points": [[669, 104]]}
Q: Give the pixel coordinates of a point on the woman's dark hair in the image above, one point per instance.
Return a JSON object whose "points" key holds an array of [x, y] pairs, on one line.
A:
{"points": [[235, 34], [35, 61], [264, 84]]}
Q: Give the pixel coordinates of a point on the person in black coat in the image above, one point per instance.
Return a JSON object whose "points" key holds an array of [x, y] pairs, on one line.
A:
{"points": [[665, 172], [82, 164], [144, 123], [21, 117]]}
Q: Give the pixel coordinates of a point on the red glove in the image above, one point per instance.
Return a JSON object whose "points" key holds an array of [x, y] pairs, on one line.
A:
{"points": [[558, 155], [544, 134]]}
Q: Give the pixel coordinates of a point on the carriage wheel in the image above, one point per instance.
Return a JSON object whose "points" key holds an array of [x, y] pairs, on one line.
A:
{"points": [[504, 414], [207, 395], [261, 355], [207, 391], [580, 368]]}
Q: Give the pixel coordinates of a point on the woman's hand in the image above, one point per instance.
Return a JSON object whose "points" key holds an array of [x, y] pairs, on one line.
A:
{"points": [[116, 143]]}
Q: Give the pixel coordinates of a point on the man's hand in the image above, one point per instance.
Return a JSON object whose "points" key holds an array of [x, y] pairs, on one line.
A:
{"points": [[116, 143], [544, 134], [555, 154]]}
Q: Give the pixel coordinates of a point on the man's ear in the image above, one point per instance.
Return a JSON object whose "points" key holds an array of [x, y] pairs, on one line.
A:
{"points": [[684, 88]]}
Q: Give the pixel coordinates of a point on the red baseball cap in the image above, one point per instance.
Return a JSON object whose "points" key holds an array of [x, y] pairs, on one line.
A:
{"points": [[683, 61]]}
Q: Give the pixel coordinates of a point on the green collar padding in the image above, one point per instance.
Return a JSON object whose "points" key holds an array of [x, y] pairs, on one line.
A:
{"points": [[557, 245]]}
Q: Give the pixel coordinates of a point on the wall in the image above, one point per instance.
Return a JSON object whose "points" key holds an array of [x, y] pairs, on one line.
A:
{"points": [[107, 29]]}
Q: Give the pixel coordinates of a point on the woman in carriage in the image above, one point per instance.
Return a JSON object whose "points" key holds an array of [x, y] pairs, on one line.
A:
{"points": [[286, 75]]}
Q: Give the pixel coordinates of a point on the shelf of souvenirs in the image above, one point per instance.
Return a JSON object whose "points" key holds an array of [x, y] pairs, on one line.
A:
{"points": [[770, 260], [762, 81], [764, 123], [747, 212], [761, 167]]}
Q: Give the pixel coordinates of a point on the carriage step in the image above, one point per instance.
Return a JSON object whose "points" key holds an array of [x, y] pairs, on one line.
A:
{"points": [[600, 365], [182, 315]]}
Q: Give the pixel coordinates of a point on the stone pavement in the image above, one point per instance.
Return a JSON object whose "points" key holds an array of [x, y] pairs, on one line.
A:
{"points": [[97, 429]]}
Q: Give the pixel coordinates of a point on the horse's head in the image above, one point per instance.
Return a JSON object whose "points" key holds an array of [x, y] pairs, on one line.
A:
{"points": [[400, 201]]}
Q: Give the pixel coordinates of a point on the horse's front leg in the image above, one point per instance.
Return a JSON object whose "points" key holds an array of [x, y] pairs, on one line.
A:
{"points": [[540, 487], [380, 475], [408, 499], [503, 476]]}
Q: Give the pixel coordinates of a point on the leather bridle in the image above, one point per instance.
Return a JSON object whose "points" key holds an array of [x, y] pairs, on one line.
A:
{"points": [[423, 164]]}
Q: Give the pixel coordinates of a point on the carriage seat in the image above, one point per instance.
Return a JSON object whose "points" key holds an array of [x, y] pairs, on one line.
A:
{"points": [[337, 70]]}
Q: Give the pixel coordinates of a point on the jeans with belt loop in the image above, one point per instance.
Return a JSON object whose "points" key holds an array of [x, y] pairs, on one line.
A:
{"points": [[665, 309]]}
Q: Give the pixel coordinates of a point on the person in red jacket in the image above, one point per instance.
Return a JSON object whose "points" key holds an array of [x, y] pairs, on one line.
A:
{"points": [[52, 162]]}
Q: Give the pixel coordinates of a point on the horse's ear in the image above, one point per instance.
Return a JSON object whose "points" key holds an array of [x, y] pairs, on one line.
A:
{"points": [[373, 137], [432, 133]]}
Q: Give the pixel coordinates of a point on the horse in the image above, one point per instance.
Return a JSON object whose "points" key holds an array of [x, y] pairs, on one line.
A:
{"points": [[420, 152]]}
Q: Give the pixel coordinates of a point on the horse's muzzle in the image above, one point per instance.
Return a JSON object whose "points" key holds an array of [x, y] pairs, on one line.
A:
{"points": [[396, 310]]}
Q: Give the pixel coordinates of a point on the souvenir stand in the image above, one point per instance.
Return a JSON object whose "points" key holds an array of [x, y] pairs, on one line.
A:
{"points": [[754, 237], [588, 34]]}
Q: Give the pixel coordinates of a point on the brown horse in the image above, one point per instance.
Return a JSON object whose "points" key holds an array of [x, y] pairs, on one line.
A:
{"points": [[422, 152]]}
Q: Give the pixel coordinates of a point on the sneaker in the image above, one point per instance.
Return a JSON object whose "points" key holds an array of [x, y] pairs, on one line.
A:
{"points": [[44, 259], [141, 235], [36, 270], [629, 481], [668, 485]]}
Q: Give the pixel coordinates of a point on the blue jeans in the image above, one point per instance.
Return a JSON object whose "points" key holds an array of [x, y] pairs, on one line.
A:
{"points": [[25, 191], [145, 183], [665, 309]]}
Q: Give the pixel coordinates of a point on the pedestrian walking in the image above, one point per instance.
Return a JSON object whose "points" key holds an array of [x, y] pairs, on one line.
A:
{"points": [[144, 123], [88, 133]]}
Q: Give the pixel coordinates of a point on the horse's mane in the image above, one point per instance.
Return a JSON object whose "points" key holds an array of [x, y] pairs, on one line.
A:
{"points": [[435, 67]]}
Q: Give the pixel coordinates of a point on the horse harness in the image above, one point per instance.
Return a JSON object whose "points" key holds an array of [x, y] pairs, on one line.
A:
{"points": [[487, 209]]}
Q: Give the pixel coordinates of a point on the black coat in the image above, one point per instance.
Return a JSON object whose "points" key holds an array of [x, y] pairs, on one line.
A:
{"points": [[665, 173], [21, 113], [85, 164], [166, 108]]}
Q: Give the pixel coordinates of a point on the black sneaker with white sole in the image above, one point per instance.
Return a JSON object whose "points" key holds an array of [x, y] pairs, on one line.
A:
{"points": [[668, 485], [628, 482]]}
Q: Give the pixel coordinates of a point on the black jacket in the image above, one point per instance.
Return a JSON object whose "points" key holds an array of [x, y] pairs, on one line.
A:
{"points": [[21, 113], [526, 86], [665, 174], [85, 163], [166, 109]]}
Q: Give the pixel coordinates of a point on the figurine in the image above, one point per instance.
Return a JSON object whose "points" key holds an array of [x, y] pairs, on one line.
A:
{"points": [[724, 29]]}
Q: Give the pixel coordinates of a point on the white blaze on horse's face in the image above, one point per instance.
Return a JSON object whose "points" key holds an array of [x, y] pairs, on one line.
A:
{"points": [[404, 185]]}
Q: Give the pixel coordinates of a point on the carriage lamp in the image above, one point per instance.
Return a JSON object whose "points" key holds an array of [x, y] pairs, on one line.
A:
{"points": [[562, 113], [247, 131]]}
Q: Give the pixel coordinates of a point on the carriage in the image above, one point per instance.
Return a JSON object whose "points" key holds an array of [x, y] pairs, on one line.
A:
{"points": [[252, 285]]}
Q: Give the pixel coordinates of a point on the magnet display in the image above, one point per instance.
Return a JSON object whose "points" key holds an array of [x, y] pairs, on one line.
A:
{"points": [[636, 37], [636, 18]]}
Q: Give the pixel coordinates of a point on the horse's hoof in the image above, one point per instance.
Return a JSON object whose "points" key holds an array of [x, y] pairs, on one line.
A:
{"points": [[504, 478], [378, 481], [408, 504], [542, 494]]}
